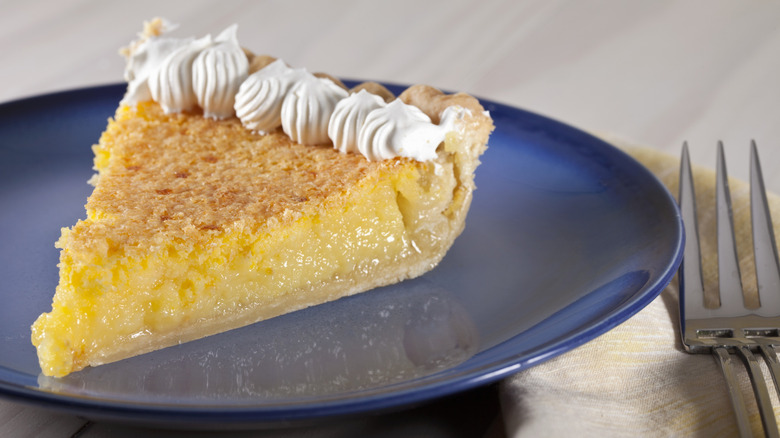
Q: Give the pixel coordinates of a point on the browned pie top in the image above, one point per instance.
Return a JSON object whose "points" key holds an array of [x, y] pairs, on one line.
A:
{"points": [[182, 174], [184, 177]]}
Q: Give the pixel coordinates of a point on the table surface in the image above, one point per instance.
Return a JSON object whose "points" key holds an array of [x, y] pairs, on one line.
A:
{"points": [[654, 73]]}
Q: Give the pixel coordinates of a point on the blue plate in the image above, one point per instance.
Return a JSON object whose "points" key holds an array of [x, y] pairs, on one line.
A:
{"points": [[567, 237]]}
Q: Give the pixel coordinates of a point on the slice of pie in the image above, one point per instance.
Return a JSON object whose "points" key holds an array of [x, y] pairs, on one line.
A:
{"points": [[199, 224]]}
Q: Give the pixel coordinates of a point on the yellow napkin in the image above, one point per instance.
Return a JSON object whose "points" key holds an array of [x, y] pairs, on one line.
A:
{"points": [[637, 380]]}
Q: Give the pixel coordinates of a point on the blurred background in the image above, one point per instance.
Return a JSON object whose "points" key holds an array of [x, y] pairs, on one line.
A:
{"points": [[650, 73]]}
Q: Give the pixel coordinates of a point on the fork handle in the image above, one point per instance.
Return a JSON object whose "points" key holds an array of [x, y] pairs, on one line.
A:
{"points": [[770, 355], [737, 401], [762, 393]]}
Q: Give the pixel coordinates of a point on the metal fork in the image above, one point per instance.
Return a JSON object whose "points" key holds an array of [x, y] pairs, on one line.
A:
{"points": [[733, 329]]}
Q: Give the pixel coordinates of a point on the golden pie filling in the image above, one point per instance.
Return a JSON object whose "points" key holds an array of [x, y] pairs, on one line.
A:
{"points": [[197, 226]]}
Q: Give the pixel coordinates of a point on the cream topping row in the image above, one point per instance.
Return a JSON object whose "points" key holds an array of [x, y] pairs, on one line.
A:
{"points": [[213, 73]]}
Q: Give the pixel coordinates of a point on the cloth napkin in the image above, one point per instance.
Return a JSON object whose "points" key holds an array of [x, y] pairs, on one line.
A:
{"points": [[636, 380]]}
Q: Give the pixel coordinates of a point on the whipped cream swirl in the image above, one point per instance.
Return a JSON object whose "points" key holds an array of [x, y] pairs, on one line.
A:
{"points": [[144, 57], [259, 99], [179, 73], [171, 83], [349, 116], [401, 130], [307, 108], [218, 72]]}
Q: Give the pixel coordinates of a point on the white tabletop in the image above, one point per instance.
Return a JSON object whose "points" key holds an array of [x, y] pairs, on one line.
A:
{"points": [[655, 73]]}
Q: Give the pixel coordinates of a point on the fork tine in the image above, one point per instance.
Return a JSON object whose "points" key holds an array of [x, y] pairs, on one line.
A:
{"points": [[768, 284], [764, 247], [729, 279], [731, 298], [692, 294], [765, 250]]}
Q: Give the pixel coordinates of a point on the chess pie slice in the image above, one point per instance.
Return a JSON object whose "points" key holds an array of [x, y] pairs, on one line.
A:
{"points": [[198, 224]]}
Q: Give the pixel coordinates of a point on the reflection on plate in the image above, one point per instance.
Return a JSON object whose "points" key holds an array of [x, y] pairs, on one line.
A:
{"points": [[392, 336], [567, 237]]}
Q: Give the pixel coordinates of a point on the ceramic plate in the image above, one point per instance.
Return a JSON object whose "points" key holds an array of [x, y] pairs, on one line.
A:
{"points": [[567, 237]]}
